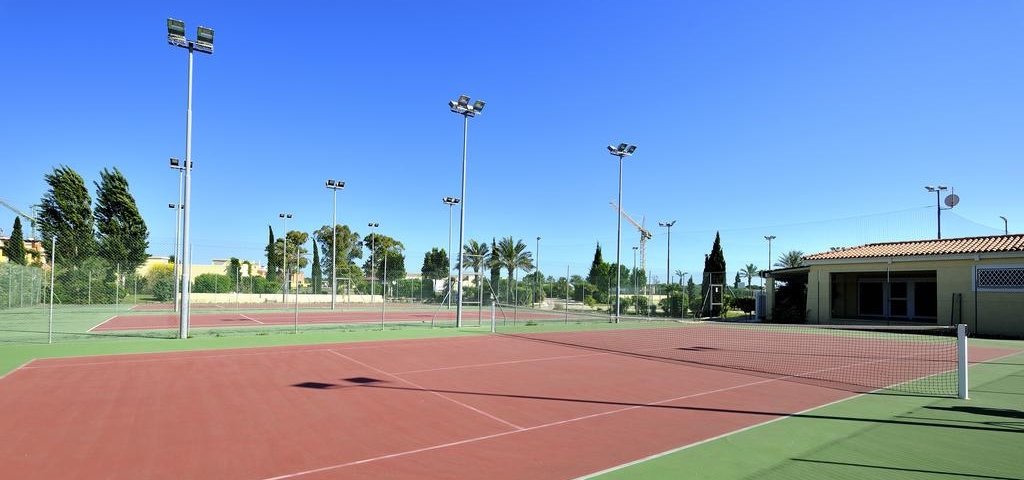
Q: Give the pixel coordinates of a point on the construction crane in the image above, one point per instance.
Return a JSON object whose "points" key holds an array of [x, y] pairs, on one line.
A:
{"points": [[645, 235], [32, 220]]}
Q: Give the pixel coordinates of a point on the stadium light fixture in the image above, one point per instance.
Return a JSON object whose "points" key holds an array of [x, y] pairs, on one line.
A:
{"points": [[451, 202], [334, 185], [623, 150], [204, 44], [462, 107]]}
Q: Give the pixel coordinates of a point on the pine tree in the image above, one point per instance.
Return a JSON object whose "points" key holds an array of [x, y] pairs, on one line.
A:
{"points": [[317, 277], [14, 249], [272, 258], [122, 233]]}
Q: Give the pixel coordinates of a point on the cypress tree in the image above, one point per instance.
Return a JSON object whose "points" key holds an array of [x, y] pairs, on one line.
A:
{"points": [[14, 249], [122, 233], [714, 273], [272, 258], [317, 277]]}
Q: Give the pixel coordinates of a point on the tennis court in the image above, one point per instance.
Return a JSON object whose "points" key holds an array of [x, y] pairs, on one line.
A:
{"points": [[485, 406]]}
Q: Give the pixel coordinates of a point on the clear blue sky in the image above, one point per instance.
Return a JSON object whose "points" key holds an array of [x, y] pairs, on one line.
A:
{"points": [[817, 122]]}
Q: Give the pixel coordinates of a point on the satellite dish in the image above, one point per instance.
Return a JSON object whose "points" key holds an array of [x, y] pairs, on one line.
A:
{"points": [[951, 200]]}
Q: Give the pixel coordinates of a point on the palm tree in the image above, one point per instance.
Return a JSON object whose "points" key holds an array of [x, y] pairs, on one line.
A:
{"points": [[512, 255], [750, 271], [476, 257], [790, 259]]}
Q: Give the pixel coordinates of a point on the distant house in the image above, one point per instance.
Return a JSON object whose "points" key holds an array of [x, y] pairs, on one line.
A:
{"points": [[977, 281], [35, 252]]}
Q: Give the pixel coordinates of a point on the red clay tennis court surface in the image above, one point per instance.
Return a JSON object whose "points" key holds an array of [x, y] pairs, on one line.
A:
{"points": [[489, 406]]}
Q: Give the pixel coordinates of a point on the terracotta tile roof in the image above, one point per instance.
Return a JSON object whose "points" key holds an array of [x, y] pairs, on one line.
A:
{"points": [[946, 246]]}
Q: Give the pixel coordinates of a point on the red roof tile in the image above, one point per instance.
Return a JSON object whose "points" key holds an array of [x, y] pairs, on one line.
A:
{"points": [[946, 246]]}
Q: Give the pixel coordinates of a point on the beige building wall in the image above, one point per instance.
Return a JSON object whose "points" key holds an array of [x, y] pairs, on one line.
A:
{"points": [[988, 312]]}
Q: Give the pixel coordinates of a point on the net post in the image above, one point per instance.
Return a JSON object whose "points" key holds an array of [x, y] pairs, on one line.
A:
{"points": [[961, 361]]}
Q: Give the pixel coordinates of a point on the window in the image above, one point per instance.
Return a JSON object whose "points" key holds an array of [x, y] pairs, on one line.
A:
{"points": [[1003, 278]]}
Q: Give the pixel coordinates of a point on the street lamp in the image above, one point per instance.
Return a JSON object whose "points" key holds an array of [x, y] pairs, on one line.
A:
{"points": [[203, 44], [451, 202], [373, 250], [668, 260], [462, 107], [284, 258], [1006, 228], [938, 208], [334, 185], [623, 150]]}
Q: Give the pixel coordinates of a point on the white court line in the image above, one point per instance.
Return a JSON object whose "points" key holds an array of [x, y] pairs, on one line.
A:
{"points": [[253, 319], [101, 323], [20, 367], [446, 397], [524, 429], [585, 417]]}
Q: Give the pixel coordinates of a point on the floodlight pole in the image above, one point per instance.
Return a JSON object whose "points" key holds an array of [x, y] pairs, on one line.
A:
{"points": [[633, 273], [540, 275], [176, 37], [769, 238], [177, 233], [175, 164], [621, 151], [462, 107], [373, 251], [284, 258], [334, 186], [938, 208], [451, 202], [668, 259]]}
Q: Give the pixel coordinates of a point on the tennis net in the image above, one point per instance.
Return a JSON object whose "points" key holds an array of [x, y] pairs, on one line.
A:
{"points": [[928, 360]]}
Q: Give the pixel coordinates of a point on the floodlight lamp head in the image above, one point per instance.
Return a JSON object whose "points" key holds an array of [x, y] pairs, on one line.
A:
{"points": [[176, 33], [631, 149], [452, 105], [463, 101], [204, 39], [478, 106], [612, 150], [622, 147], [170, 205], [175, 163]]}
